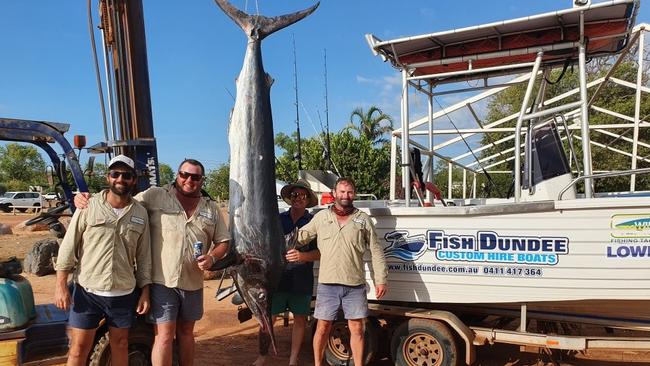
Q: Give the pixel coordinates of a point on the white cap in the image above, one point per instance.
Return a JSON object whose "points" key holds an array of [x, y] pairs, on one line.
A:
{"points": [[122, 159]]}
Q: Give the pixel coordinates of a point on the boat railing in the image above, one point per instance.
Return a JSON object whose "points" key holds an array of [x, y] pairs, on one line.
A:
{"points": [[601, 175]]}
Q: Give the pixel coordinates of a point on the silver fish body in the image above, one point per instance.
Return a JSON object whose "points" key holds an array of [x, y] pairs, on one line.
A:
{"points": [[256, 232]]}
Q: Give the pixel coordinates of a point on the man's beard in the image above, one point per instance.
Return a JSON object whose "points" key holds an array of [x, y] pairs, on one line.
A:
{"points": [[122, 191], [345, 203]]}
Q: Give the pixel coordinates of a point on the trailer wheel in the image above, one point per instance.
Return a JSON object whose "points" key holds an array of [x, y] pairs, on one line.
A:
{"points": [[419, 342], [338, 351]]}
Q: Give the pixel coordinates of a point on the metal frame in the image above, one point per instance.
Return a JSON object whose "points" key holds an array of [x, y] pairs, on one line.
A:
{"points": [[576, 113]]}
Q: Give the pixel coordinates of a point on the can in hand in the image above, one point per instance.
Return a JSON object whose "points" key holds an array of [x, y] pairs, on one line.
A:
{"points": [[198, 249]]}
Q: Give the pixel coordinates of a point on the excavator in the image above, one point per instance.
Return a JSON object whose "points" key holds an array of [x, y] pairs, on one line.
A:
{"points": [[36, 334]]}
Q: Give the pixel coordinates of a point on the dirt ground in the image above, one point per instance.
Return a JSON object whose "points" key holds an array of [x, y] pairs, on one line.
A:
{"points": [[222, 340]]}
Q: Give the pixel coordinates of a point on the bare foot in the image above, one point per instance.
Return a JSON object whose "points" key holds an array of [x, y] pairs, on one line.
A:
{"points": [[261, 360]]}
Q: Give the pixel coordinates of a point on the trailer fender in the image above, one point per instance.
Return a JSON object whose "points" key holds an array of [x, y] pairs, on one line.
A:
{"points": [[451, 320]]}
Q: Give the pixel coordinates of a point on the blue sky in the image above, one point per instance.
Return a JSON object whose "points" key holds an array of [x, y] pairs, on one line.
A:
{"points": [[195, 52]]}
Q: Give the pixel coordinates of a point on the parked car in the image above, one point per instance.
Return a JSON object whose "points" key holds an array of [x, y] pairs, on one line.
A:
{"points": [[49, 196], [22, 200]]}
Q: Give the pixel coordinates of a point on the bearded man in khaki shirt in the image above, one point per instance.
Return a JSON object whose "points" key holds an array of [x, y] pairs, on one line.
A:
{"points": [[180, 215], [343, 235], [108, 244]]}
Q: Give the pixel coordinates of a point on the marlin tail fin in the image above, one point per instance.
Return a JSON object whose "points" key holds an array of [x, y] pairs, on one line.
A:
{"points": [[258, 26]]}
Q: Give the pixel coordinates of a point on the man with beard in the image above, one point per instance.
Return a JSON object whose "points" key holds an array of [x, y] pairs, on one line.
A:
{"points": [[343, 235], [109, 245], [181, 214]]}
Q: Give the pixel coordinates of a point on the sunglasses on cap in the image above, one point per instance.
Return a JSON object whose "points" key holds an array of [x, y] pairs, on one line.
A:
{"points": [[194, 177], [302, 196], [125, 175]]}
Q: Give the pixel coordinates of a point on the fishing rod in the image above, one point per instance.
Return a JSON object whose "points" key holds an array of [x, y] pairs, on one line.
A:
{"points": [[295, 81], [320, 138], [487, 175], [327, 113]]}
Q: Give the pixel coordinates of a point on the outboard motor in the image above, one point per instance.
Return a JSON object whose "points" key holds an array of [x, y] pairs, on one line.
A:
{"points": [[550, 168]]}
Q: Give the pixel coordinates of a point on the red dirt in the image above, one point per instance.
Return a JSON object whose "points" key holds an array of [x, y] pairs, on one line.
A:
{"points": [[221, 340]]}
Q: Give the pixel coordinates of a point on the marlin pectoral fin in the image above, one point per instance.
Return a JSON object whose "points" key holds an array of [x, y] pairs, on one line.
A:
{"points": [[231, 259], [264, 26]]}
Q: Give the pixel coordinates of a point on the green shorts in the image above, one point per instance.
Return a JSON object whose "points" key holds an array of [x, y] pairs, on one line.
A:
{"points": [[298, 304]]}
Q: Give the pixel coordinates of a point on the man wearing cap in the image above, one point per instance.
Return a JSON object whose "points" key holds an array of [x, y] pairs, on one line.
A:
{"points": [[181, 214], [109, 246], [343, 234], [297, 282]]}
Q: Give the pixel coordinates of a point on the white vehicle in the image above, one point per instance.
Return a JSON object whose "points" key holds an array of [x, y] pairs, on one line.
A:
{"points": [[22, 201], [555, 266], [49, 196]]}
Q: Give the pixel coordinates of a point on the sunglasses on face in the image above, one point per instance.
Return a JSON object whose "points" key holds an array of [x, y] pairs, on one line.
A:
{"points": [[125, 175], [194, 177], [298, 195]]}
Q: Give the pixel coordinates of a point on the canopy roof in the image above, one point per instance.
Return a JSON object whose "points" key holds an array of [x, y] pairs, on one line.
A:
{"points": [[607, 26]]}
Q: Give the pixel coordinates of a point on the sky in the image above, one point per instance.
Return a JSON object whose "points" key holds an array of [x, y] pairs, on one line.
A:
{"points": [[195, 53]]}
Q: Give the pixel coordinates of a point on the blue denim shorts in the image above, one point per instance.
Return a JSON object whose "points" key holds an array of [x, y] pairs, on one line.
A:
{"points": [[331, 298], [88, 309], [171, 304]]}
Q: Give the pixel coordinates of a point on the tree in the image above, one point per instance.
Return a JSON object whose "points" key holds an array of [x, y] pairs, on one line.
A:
{"points": [[372, 124], [354, 157], [217, 182], [96, 181], [166, 174], [22, 165]]}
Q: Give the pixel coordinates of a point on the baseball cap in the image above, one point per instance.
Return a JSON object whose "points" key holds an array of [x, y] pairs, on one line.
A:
{"points": [[122, 159]]}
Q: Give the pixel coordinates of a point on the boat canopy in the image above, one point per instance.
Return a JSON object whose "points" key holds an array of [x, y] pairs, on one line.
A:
{"points": [[607, 27]]}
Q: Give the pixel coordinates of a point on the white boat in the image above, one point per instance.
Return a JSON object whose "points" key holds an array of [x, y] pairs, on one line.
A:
{"points": [[549, 251]]}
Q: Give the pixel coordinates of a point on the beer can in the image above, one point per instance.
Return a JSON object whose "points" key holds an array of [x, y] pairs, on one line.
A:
{"points": [[198, 249]]}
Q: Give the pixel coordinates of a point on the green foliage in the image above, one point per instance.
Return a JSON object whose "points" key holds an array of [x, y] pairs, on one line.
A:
{"points": [[96, 180], [613, 97], [373, 124], [354, 157], [21, 166], [217, 182], [166, 174]]}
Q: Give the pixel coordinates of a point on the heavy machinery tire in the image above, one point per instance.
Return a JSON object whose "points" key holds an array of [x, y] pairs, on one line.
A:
{"points": [[140, 343], [424, 342], [337, 350]]}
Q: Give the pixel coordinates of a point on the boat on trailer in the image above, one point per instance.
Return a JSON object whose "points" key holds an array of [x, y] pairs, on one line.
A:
{"points": [[556, 251]]}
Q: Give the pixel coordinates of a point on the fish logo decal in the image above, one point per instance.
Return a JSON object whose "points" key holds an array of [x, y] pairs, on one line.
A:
{"points": [[630, 226], [404, 247], [638, 224]]}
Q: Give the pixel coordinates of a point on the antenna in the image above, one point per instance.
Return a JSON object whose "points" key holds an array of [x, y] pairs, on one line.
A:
{"points": [[327, 116], [295, 81]]}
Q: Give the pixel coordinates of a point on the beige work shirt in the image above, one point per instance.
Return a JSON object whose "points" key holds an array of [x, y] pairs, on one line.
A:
{"points": [[173, 234], [342, 248], [110, 253]]}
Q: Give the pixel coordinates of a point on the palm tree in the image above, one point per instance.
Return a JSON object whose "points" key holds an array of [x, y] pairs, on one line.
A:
{"points": [[372, 124]]}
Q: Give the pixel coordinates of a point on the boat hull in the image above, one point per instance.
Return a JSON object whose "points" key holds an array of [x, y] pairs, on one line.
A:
{"points": [[587, 257]]}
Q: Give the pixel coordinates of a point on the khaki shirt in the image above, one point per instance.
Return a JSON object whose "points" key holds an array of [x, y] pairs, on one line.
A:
{"points": [[173, 234], [109, 252], [342, 248]]}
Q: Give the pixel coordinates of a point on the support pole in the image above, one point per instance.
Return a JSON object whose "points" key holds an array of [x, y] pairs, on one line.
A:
{"points": [[637, 109], [449, 180], [393, 166], [520, 119], [584, 111], [430, 100], [406, 156]]}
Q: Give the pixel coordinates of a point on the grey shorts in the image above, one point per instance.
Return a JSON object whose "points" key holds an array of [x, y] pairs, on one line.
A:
{"points": [[330, 298], [172, 304]]}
